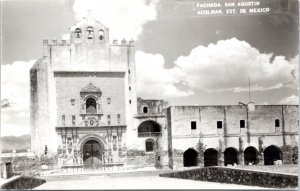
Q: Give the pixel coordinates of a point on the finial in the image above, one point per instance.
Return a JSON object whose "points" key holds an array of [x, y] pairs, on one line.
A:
{"points": [[131, 42], [123, 41], [115, 41], [54, 41], [45, 41]]}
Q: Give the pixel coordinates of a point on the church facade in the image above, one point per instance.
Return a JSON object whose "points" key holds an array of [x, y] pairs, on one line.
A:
{"points": [[84, 110]]}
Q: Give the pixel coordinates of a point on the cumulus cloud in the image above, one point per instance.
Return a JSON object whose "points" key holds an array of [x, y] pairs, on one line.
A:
{"points": [[124, 18], [154, 80], [226, 65], [15, 120], [290, 100]]}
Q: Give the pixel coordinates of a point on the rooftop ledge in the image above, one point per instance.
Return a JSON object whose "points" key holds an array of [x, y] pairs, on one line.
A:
{"points": [[145, 115]]}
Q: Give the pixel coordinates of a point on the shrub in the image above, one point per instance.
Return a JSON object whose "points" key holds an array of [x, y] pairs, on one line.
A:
{"points": [[290, 154]]}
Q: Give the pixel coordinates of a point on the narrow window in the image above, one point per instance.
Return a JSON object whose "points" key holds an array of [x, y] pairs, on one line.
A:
{"points": [[63, 118], [108, 119], [129, 88], [90, 31], [77, 32], [219, 124], [101, 34], [145, 109], [193, 125], [91, 106], [72, 102], [128, 71], [108, 100], [149, 145], [119, 118], [242, 123], [277, 123], [73, 120], [46, 149], [129, 101]]}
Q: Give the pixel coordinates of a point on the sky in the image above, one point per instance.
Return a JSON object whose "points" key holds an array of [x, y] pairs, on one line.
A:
{"points": [[183, 58]]}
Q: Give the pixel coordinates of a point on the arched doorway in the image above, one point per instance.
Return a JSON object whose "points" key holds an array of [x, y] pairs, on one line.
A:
{"points": [[251, 155], [230, 156], [190, 158], [272, 153], [149, 128], [92, 153], [211, 157]]}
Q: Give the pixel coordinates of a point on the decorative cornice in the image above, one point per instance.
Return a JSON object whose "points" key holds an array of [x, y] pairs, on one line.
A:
{"points": [[90, 88]]}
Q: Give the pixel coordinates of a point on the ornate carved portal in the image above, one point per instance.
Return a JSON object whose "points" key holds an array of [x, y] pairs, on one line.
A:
{"points": [[91, 105]]}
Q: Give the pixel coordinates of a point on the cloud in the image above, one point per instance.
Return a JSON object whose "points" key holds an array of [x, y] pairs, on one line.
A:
{"points": [[220, 67], [124, 18], [154, 80], [290, 100], [226, 65], [15, 120]]}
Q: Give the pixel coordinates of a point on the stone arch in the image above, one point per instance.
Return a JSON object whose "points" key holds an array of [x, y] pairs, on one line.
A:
{"points": [[86, 138], [251, 155], [92, 148], [230, 156], [90, 96], [190, 157], [149, 128], [271, 154], [210, 157]]}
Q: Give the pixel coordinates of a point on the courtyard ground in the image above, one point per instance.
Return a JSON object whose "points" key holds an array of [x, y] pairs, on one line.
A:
{"points": [[131, 180]]}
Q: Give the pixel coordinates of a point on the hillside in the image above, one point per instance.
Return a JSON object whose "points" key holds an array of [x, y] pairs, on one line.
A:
{"points": [[19, 143]]}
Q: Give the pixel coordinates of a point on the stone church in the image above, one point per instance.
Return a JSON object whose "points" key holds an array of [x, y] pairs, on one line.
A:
{"points": [[85, 111]]}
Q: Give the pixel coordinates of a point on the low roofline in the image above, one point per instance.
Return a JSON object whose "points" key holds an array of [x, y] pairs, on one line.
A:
{"points": [[229, 105], [88, 71]]}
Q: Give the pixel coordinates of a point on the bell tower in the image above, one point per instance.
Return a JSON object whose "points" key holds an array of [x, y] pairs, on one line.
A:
{"points": [[89, 41]]}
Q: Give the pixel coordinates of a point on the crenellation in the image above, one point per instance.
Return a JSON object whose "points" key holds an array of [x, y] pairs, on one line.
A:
{"points": [[45, 42], [131, 42], [63, 42], [115, 41], [54, 42], [123, 42]]}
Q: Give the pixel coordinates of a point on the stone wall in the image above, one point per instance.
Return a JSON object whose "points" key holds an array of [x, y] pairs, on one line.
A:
{"points": [[259, 131], [41, 108], [153, 106], [237, 176], [69, 85]]}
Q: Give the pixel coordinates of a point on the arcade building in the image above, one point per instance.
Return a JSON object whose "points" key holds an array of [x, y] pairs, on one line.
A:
{"points": [[85, 111]]}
